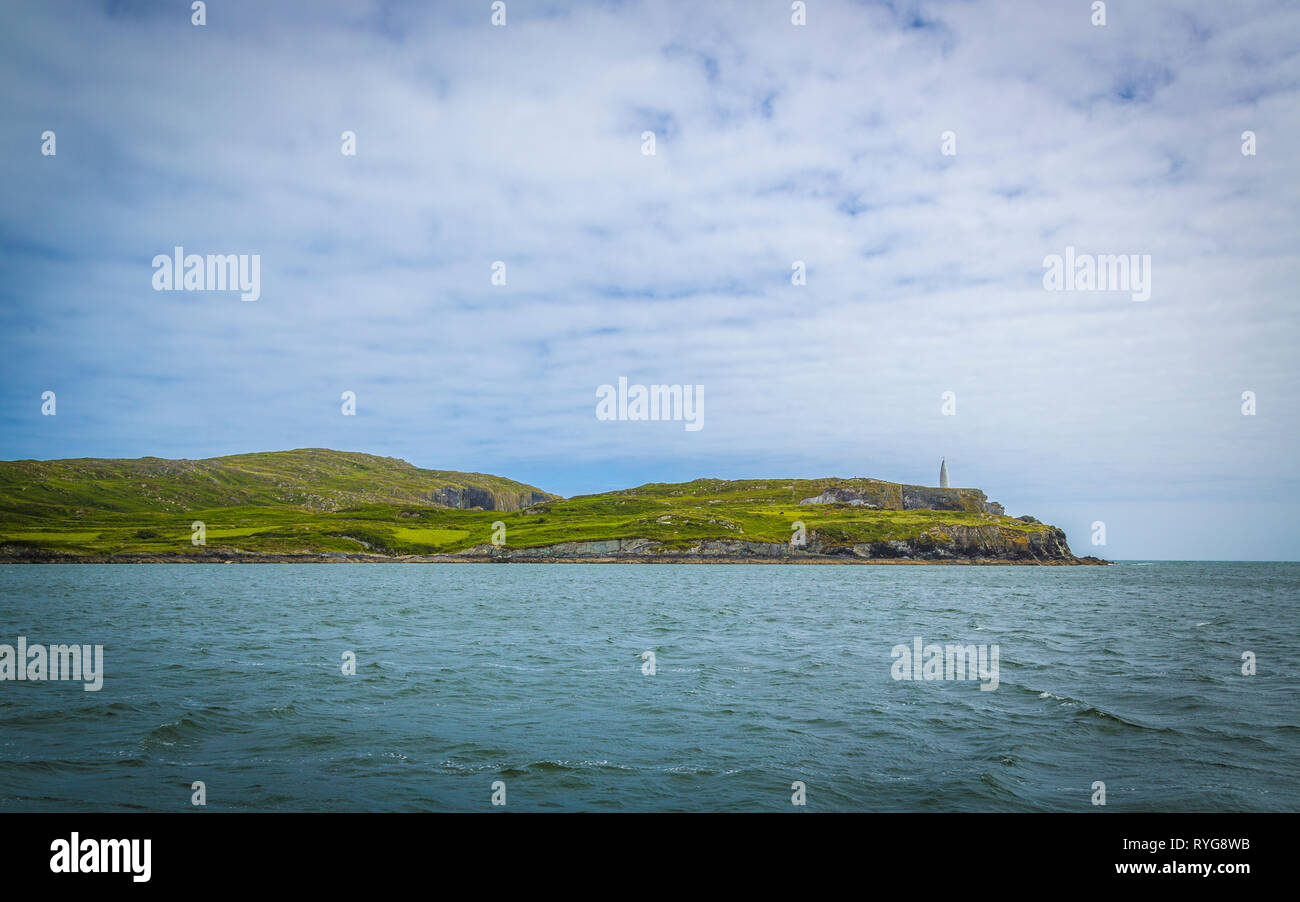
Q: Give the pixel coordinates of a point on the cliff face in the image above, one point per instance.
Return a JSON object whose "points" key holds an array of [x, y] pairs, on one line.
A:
{"points": [[919, 497], [939, 544], [874, 494], [469, 496]]}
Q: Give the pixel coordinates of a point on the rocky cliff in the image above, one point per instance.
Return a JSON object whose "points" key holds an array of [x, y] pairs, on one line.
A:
{"points": [[468, 497], [878, 495], [939, 544]]}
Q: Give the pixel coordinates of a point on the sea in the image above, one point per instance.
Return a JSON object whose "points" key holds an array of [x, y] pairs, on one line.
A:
{"points": [[1142, 686]]}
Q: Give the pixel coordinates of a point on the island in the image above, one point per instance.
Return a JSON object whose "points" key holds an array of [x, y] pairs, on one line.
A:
{"points": [[318, 505]]}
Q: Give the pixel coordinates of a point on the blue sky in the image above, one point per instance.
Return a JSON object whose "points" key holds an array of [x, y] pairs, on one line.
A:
{"points": [[774, 143]]}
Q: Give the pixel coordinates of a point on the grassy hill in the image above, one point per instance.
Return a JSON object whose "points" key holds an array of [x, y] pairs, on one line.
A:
{"points": [[152, 492], [314, 502]]}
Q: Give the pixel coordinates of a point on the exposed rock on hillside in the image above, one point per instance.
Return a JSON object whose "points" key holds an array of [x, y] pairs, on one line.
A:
{"points": [[873, 493]]}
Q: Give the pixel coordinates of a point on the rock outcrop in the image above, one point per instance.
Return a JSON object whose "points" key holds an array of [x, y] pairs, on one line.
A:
{"points": [[873, 493], [939, 544], [470, 496]]}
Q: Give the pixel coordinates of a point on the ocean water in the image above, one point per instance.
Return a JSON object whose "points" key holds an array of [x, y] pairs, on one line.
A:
{"points": [[765, 675]]}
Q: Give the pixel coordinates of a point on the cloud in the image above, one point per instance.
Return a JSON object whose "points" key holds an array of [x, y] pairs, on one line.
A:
{"points": [[774, 144]]}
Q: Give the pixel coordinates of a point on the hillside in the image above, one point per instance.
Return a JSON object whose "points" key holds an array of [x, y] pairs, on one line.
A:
{"points": [[331, 505], [311, 479]]}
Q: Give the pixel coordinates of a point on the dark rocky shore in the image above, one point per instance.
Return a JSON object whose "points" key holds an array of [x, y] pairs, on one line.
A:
{"points": [[964, 545]]}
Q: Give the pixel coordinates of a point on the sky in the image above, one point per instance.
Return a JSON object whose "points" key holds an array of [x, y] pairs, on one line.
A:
{"points": [[830, 143]]}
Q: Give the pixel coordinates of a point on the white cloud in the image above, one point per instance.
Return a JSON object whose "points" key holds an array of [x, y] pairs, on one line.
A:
{"points": [[777, 143]]}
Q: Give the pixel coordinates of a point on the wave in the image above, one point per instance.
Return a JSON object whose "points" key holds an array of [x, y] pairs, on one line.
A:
{"points": [[1081, 710], [190, 727]]}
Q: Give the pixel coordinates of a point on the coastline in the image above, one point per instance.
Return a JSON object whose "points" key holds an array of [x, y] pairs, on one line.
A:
{"points": [[815, 560]]}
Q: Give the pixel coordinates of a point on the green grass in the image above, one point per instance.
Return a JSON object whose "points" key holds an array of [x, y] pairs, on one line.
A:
{"points": [[318, 501], [311, 479]]}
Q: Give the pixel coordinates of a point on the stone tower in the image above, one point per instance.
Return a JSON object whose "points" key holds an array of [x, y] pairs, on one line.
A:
{"points": [[943, 473]]}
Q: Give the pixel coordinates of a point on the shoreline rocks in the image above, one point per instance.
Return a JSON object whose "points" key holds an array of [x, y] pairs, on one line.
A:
{"points": [[941, 545]]}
